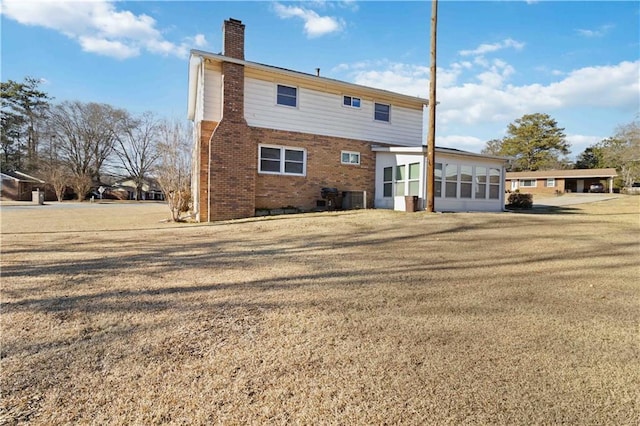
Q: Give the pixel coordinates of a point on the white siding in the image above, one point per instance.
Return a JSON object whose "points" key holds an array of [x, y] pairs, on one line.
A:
{"points": [[390, 159], [212, 103], [443, 204], [318, 112], [323, 114], [394, 202]]}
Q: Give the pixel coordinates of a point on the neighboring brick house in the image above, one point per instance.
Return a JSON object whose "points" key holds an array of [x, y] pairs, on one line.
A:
{"points": [[560, 181], [18, 186], [267, 138]]}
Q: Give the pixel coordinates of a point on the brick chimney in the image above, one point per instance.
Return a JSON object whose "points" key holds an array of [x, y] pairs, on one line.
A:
{"points": [[232, 151], [233, 39]]}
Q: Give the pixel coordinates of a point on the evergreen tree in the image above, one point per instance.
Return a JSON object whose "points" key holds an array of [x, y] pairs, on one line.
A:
{"points": [[24, 109], [535, 142]]}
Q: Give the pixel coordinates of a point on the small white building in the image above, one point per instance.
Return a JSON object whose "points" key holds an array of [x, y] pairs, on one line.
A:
{"points": [[464, 181]]}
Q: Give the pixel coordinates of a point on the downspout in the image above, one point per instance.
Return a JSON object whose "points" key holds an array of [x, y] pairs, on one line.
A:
{"points": [[209, 182], [503, 181]]}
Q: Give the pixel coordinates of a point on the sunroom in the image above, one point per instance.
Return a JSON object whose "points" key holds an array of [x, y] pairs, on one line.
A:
{"points": [[464, 181]]}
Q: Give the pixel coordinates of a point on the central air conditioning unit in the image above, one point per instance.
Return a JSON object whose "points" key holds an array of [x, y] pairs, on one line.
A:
{"points": [[352, 200]]}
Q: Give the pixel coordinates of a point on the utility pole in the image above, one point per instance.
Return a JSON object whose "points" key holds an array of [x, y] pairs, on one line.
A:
{"points": [[431, 136]]}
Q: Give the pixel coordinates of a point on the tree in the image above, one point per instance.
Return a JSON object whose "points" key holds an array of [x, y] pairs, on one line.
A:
{"points": [[136, 147], [591, 158], [57, 175], [85, 138], [24, 109], [493, 147], [535, 142], [173, 170], [10, 142], [622, 151]]}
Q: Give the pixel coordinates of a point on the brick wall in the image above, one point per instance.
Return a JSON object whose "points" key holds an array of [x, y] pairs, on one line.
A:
{"points": [[229, 156], [324, 169], [541, 187]]}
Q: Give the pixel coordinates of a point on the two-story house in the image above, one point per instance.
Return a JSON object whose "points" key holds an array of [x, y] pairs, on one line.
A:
{"points": [[267, 137]]}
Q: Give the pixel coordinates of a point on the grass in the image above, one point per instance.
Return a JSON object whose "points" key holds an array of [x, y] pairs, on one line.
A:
{"points": [[366, 317]]}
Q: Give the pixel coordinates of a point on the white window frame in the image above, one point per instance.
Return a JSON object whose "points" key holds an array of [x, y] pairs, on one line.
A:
{"points": [[550, 183], [523, 183], [453, 180], [480, 180], [415, 180], [351, 103], [495, 184], [388, 120], [387, 182], [351, 155], [465, 184], [399, 185], [290, 87], [437, 190], [282, 161]]}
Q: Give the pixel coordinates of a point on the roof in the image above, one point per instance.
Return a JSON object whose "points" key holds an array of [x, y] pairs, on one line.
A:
{"points": [[439, 150], [573, 173], [198, 56], [21, 177]]}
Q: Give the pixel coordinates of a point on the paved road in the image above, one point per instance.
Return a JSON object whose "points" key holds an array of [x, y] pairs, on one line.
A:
{"points": [[11, 205]]}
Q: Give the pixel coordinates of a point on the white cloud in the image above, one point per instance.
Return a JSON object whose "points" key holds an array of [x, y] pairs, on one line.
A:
{"points": [[493, 98], [99, 27], [581, 142], [314, 24], [199, 40], [488, 48], [485, 98], [105, 47], [601, 86], [601, 31]]}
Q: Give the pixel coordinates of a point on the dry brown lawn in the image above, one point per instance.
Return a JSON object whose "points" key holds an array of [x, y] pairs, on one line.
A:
{"points": [[110, 316]]}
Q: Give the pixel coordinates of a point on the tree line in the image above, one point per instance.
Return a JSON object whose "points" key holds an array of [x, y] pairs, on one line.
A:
{"points": [[535, 142], [75, 144]]}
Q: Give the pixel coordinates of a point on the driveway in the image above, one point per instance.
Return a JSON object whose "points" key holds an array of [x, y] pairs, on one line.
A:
{"points": [[570, 199]]}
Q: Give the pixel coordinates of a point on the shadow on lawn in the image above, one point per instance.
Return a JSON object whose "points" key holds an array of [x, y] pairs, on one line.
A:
{"points": [[544, 209], [348, 260]]}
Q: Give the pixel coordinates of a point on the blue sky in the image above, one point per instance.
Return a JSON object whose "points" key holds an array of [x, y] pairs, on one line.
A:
{"points": [[576, 61]]}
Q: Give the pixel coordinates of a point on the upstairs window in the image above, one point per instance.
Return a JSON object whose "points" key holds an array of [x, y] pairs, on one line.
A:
{"points": [[382, 112], [287, 96], [351, 101]]}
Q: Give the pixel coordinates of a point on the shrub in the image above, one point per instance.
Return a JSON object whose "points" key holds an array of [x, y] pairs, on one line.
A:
{"points": [[519, 200]]}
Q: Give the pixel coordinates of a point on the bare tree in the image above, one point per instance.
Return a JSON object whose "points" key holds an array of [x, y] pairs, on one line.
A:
{"points": [[85, 138], [136, 147], [174, 166], [57, 175], [623, 152]]}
